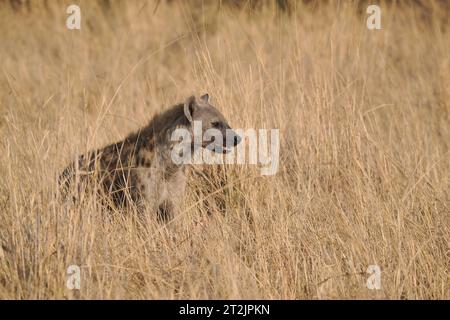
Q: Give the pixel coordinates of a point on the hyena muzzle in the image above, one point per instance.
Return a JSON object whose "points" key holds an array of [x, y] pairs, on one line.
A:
{"points": [[140, 169]]}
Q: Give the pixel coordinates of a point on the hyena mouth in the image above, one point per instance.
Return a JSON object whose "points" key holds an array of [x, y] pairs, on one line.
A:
{"points": [[218, 148]]}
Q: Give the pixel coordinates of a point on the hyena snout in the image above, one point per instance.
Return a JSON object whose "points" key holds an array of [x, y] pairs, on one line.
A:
{"points": [[233, 137], [221, 141]]}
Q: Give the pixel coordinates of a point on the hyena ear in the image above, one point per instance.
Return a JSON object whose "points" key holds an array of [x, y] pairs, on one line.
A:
{"points": [[205, 97], [189, 107]]}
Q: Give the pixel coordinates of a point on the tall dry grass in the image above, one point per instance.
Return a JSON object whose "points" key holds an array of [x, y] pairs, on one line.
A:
{"points": [[364, 165]]}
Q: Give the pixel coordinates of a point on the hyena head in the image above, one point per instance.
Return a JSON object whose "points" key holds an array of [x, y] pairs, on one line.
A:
{"points": [[216, 133]]}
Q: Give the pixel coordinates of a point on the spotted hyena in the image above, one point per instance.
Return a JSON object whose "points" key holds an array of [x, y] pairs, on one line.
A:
{"points": [[140, 169]]}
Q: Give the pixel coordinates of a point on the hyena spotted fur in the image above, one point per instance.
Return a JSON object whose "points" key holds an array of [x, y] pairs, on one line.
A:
{"points": [[139, 170]]}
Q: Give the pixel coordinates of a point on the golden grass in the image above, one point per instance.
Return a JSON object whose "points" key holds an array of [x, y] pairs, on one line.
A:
{"points": [[364, 165]]}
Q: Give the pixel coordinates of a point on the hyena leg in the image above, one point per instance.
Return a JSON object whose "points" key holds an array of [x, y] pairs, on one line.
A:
{"points": [[165, 211]]}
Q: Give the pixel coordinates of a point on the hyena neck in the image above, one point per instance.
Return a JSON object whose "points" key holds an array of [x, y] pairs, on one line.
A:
{"points": [[162, 125], [164, 150], [158, 133]]}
